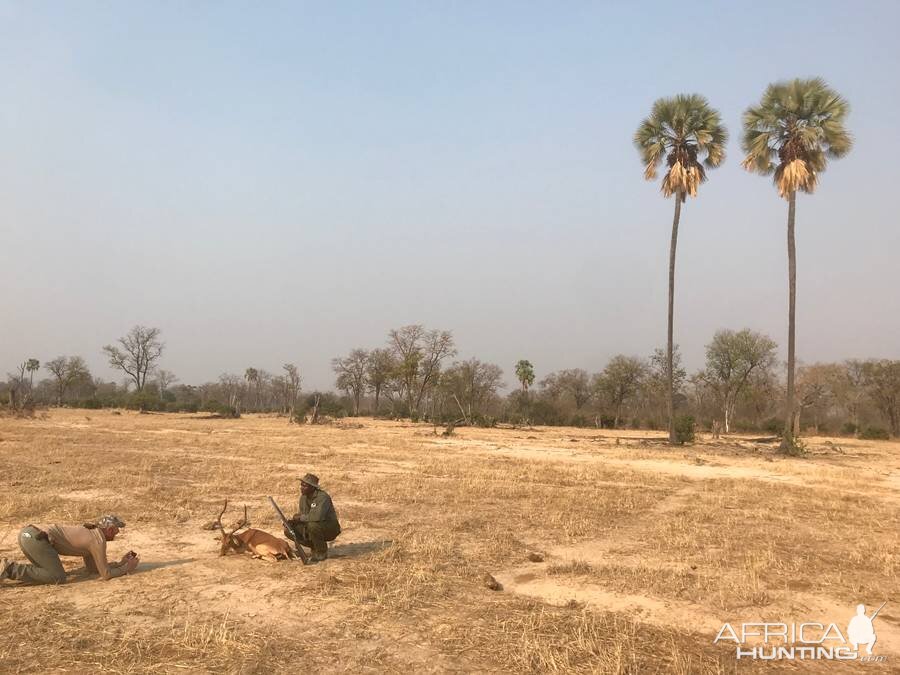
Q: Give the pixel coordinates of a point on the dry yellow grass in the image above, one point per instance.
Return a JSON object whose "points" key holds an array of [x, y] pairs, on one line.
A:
{"points": [[645, 547]]}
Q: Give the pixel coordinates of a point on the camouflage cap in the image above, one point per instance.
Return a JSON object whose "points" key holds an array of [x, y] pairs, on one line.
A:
{"points": [[110, 520]]}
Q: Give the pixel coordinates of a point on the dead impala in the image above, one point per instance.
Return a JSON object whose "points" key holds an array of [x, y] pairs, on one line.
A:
{"points": [[260, 544]]}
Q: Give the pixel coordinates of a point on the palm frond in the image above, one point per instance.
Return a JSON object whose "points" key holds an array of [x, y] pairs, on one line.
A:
{"points": [[801, 123], [686, 133]]}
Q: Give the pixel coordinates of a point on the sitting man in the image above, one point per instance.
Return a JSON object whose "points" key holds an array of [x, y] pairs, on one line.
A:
{"points": [[87, 541], [317, 523]]}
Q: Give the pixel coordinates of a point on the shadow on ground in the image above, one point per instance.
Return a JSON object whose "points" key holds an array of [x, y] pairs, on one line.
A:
{"points": [[358, 548], [147, 566]]}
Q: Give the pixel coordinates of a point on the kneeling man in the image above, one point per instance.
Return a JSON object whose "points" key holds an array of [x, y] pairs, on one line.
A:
{"points": [[317, 523], [44, 547]]}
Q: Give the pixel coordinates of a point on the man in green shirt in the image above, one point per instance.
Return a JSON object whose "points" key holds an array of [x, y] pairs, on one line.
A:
{"points": [[317, 522]]}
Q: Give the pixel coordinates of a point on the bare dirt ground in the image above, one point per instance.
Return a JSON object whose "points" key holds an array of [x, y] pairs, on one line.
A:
{"points": [[644, 550]]}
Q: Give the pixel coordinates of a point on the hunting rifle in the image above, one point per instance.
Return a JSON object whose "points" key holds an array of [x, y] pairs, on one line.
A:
{"points": [[290, 527]]}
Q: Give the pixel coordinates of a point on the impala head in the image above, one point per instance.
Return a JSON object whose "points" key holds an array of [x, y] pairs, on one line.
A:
{"points": [[230, 542]]}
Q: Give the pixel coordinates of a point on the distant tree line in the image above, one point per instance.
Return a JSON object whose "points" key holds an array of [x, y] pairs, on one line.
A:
{"points": [[739, 388], [416, 375], [146, 386]]}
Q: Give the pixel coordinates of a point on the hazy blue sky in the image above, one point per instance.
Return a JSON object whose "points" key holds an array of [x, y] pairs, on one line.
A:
{"points": [[288, 182]]}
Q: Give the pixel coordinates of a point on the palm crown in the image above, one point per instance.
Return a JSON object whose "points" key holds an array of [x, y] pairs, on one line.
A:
{"points": [[796, 127], [686, 133]]}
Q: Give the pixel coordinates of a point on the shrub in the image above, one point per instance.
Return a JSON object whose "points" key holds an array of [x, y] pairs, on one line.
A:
{"points": [[607, 421], [329, 406], [773, 425], [175, 407], [796, 448], [216, 408], [579, 421], [90, 404], [545, 413], [684, 429], [875, 434], [228, 412], [849, 428], [143, 400]]}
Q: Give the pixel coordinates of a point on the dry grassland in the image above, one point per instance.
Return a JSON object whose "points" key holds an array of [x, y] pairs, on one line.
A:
{"points": [[646, 550]]}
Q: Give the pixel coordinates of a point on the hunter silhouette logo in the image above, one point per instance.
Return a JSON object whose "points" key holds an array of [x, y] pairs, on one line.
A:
{"points": [[809, 640], [861, 631]]}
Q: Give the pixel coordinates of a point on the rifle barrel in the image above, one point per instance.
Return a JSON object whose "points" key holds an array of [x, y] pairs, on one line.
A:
{"points": [[290, 527]]}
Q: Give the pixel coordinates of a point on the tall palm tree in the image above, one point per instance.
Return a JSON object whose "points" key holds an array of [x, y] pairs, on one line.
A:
{"points": [[793, 131], [687, 134], [252, 376], [32, 365], [525, 374]]}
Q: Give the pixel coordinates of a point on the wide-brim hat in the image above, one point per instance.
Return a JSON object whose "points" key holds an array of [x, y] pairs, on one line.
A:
{"points": [[311, 480]]}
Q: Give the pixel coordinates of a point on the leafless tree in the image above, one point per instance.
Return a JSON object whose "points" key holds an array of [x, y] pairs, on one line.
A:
{"points": [[292, 384], [352, 374], [379, 370], [419, 354], [761, 394], [883, 384], [731, 358], [814, 392], [140, 350], [17, 384], [656, 384], [67, 371], [233, 388], [620, 382], [849, 389], [164, 379], [575, 383], [265, 397], [472, 384]]}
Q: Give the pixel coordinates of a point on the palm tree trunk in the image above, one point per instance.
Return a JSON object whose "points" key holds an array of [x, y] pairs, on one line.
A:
{"points": [[670, 375], [787, 441]]}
